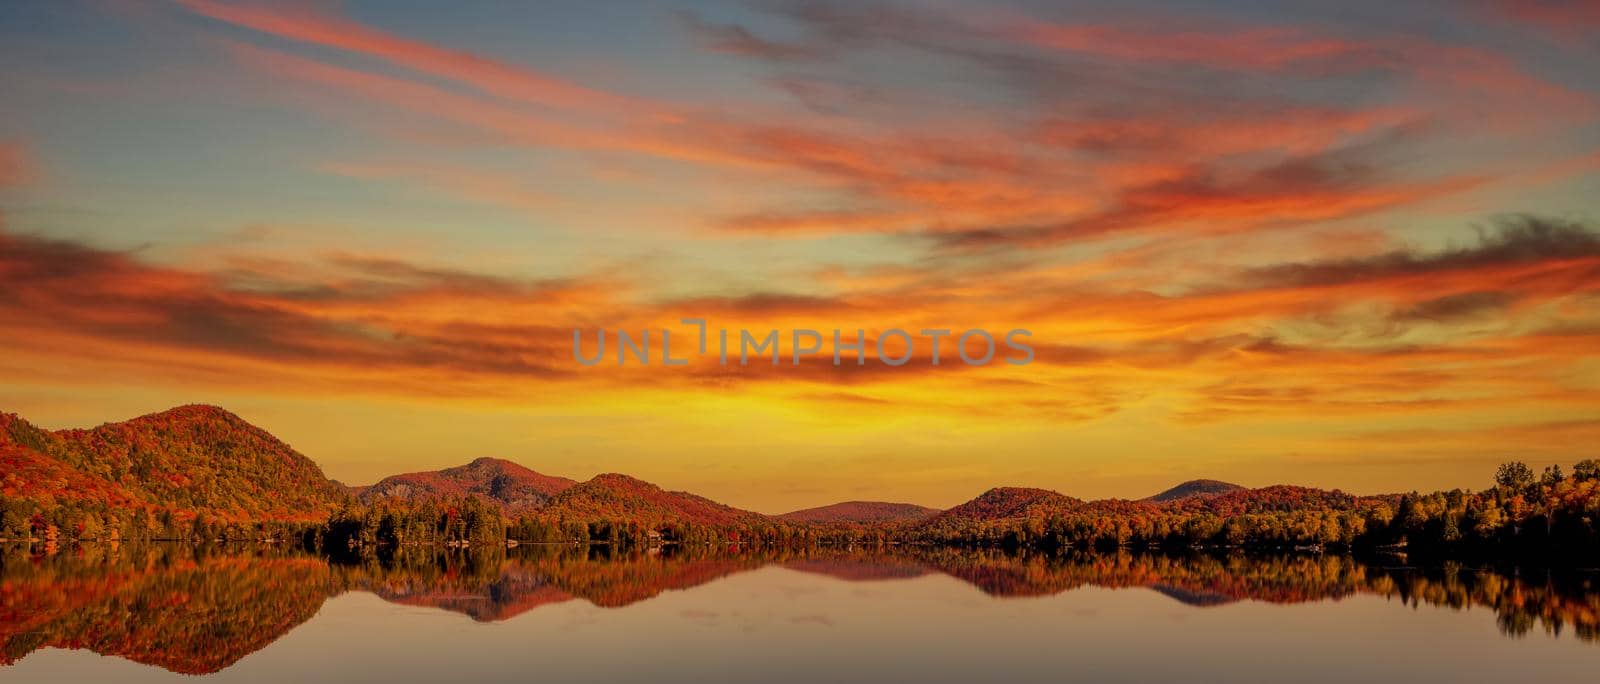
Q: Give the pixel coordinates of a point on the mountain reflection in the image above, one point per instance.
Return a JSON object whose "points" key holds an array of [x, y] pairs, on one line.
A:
{"points": [[198, 610]]}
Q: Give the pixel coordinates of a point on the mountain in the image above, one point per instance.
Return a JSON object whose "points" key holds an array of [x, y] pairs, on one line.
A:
{"points": [[514, 487], [1195, 488], [1274, 499], [1002, 503], [619, 497], [861, 512], [190, 459]]}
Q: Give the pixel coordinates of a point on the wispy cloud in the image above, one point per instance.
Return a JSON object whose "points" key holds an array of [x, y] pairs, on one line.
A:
{"points": [[734, 39], [301, 23]]}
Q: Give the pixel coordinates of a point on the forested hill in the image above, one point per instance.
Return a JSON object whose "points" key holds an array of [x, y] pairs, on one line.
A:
{"points": [[512, 486], [1195, 488], [177, 464], [1003, 503], [624, 498], [861, 512]]}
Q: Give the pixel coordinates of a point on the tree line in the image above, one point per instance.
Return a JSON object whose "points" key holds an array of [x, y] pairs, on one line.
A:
{"points": [[1523, 513], [1551, 514]]}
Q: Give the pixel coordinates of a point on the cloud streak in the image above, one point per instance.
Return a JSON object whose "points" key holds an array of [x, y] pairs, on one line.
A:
{"points": [[299, 23]]}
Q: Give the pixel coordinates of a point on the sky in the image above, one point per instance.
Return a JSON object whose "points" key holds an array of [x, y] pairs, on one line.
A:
{"points": [[1348, 245]]}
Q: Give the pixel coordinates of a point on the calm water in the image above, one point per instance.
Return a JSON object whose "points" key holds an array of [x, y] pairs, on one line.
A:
{"points": [[564, 614]]}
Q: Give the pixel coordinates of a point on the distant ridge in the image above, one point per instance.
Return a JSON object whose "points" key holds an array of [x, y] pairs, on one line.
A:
{"points": [[861, 512], [1195, 488], [1002, 503], [513, 487], [617, 496]]}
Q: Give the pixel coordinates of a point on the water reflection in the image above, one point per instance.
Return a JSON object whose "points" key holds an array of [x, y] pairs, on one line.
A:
{"points": [[199, 610]]}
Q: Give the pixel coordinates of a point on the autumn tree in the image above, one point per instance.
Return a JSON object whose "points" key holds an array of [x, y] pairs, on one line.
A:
{"points": [[1552, 476], [1516, 476]]}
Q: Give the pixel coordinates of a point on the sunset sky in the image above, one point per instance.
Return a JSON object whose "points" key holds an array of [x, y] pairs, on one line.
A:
{"points": [[1347, 245]]}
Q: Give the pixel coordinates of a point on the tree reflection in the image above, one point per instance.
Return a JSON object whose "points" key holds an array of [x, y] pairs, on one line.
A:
{"points": [[199, 609]]}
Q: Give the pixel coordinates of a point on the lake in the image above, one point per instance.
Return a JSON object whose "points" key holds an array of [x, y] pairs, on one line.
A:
{"points": [[158, 613]]}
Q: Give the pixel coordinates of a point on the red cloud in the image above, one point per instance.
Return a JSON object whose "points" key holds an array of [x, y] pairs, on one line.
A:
{"points": [[489, 75]]}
